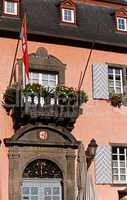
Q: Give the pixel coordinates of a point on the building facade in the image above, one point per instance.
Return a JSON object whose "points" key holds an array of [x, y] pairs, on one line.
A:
{"points": [[61, 35]]}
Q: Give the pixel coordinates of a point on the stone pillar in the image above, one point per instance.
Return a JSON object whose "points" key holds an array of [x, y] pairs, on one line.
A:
{"points": [[70, 156], [14, 171]]}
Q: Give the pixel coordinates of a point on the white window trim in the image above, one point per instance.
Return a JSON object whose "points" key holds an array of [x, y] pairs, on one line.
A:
{"points": [[15, 8], [114, 80], [41, 184], [125, 22], [119, 181], [72, 15], [41, 75]]}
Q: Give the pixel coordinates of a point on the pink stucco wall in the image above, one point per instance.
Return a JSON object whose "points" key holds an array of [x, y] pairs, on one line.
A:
{"points": [[99, 119]]}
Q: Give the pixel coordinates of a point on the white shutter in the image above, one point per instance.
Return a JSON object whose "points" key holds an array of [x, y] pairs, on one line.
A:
{"points": [[103, 165], [100, 81]]}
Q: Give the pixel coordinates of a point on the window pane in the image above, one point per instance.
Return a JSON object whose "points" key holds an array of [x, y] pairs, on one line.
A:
{"points": [[121, 150], [122, 170], [118, 84], [34, 77], [45, 82], [52, 83], [34, 198], [34, 190], [10, 7], [115, 164], [110, 76], [122, 177], [117, 71], [67, 14], [111, 83], [44, 76], [122, 164], [122, 158], [47, 191], [114, 149], [56, 190], [26, 190], [115, 178], [121, 23], [114, 157], [110, 70], [111, 90], [118, 90], [56, 198], [48, 198], [115, 171], [52, 77]]}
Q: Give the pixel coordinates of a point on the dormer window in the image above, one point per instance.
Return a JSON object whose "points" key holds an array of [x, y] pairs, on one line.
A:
{"points": [[121, 20], [121, 24], [10, 8], [68, 12], [68, 15]]}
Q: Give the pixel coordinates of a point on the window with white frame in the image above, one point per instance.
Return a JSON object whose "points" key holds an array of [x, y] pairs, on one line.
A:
{"points": [[46, 79], [115, 78], [10, 7], [49, 189], [119, 164], [121, 24], [68, 15]]}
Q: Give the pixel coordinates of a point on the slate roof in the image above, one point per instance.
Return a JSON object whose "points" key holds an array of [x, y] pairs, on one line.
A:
{"points": [[93, 22], [122, 2]]}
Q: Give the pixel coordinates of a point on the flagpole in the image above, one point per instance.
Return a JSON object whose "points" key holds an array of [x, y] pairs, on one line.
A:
{"points": [[13, 66], [83, 76], [88, 59]]}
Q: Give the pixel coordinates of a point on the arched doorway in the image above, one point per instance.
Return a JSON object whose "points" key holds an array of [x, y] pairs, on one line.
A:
{"points": [[42, 181]]}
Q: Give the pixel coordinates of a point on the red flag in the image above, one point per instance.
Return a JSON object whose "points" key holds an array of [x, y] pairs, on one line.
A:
{"points": [[23, 37]]}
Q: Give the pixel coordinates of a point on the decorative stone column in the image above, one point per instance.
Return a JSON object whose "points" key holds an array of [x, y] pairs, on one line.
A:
{"points": [[70, 156]]}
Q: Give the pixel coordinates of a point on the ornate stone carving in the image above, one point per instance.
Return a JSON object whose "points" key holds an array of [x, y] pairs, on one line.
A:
{"points": [[42, 169]]}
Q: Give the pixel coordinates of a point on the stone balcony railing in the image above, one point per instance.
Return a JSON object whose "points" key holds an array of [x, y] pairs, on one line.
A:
{"points": [[57, 110], [43, 106], [55, 107]]}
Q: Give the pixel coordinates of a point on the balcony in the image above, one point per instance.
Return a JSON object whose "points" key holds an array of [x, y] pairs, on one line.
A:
{"points": [[35, 103]]}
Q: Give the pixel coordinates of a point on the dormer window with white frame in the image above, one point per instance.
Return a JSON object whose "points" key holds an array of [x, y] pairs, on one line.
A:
{"points": [[10, 8], [68, 15], [121, 24]]}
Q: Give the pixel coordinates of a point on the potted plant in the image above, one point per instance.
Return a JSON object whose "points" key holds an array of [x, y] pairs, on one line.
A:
{"points": [[32, 89], [9, 98], [83, 97], [116, 100], [65, 94], [70, 95], [61, 92]]}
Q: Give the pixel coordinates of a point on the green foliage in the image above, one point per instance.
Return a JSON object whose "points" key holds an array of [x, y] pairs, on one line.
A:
{"points": [[83, 97], [9, 98], [65, 91], [32, 89], [71, 93], [116, 99], [65, 94]]}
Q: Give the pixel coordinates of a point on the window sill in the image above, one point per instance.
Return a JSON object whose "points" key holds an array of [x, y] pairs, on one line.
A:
{"points": [[10, 16], [118, 184], [68, 24]]}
